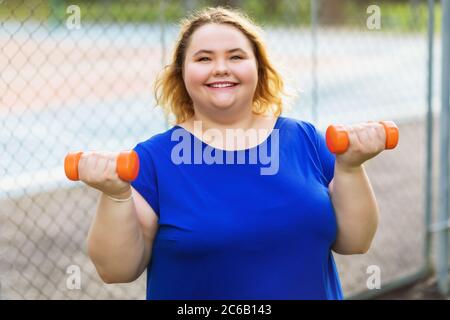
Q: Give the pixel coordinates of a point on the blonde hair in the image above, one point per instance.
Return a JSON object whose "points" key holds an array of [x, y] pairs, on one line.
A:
{"points": [[170, 91]]}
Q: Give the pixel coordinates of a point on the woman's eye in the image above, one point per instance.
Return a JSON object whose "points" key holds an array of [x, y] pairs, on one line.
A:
{"points": [[208, 59]]}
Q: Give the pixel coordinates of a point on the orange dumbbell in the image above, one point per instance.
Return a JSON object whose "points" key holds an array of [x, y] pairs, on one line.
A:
{"points": [[127, 165], [337, 137]]}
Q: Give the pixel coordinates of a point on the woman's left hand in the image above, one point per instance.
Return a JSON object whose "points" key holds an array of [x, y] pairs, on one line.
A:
{"points": [[366, 140]]}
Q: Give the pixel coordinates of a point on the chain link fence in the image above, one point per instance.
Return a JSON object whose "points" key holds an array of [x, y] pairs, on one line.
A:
{"points": [[78, 76]]}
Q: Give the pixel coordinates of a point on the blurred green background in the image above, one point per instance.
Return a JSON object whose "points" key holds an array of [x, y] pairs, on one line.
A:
{"points": [[397, 15]]}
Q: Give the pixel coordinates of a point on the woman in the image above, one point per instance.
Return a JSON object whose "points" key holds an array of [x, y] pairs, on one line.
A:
{"points": [[212, 218]]}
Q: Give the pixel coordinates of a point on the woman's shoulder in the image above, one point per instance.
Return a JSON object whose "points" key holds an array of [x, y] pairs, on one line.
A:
{"points": [[298, 125], [158, 140]]}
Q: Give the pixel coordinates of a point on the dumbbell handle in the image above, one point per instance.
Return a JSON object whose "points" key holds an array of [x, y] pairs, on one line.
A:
{"points": [[337, 137], [127, 165]]}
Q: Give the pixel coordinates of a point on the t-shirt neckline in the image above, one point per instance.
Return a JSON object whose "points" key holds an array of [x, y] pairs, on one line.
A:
{"points": [[276, 126]]}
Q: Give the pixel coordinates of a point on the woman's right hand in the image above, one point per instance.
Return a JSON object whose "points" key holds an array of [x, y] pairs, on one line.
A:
{"points": [[98, 169]]}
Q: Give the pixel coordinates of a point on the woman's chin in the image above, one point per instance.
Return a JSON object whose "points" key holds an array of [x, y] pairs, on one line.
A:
{"points": [[222, 105]]}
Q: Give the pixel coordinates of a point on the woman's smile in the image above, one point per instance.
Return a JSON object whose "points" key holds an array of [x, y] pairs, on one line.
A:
{"points": [[220, 70], [228, 87]]}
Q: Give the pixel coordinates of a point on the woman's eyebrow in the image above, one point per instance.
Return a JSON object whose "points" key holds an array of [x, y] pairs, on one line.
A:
{"points": [[210, 52]]}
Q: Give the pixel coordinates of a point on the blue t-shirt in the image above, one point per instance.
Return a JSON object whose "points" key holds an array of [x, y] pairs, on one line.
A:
{"points": [[231, 227]]}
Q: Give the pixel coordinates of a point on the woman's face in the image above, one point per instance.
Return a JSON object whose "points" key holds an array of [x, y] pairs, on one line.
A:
{"points": [[220, 69]]}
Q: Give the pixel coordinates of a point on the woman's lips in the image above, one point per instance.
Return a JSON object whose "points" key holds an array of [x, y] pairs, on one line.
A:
{"points": [[223, 88]]}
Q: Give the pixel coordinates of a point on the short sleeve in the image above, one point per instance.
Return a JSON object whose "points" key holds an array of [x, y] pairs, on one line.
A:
{"points": [[146, 181], [327, 159]]}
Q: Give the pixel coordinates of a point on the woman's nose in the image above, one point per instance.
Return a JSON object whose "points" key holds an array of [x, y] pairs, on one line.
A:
{"points": [[220, 68]]}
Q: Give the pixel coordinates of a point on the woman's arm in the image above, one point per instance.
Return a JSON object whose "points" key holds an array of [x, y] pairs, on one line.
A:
{"points": [[356, 210], [351, 192], [121, 236]]}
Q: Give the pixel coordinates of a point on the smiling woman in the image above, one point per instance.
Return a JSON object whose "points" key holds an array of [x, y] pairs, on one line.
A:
{"points": [[220, 82], [260, 227], [200, 60]]}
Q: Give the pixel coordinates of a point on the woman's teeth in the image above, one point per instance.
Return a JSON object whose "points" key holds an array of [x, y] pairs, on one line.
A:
{"points": [[221, 85]]}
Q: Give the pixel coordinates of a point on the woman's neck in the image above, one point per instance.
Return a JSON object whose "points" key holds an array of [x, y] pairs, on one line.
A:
{"points": [[244, 121], [214, 131]]}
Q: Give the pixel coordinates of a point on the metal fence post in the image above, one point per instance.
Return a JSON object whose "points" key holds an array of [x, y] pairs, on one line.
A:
{"points": [[443, 214], [315, 97], [162, 24], [429, 143]]}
